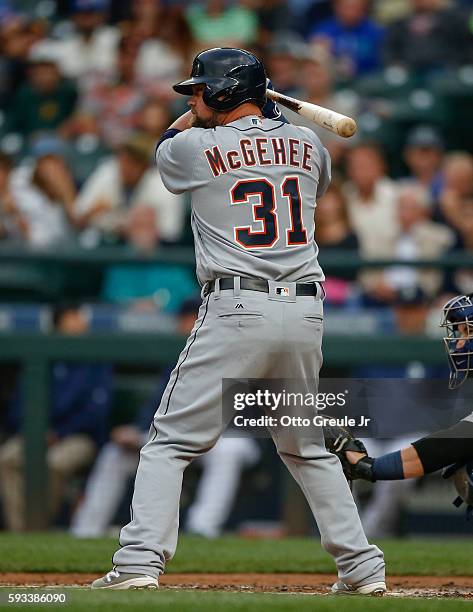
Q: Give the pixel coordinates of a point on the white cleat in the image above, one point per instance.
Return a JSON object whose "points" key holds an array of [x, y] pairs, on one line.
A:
{"points": [[377, 589], [118, 580]]}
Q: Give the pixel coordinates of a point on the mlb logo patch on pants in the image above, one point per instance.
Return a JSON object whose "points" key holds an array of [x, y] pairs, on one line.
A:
{"points": [[284, 291]]}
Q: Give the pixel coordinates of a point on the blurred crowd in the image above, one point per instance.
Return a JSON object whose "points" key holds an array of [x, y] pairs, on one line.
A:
{"points": [[85, 92]]}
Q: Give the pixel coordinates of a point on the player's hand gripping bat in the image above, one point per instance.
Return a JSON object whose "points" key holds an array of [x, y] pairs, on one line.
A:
{"points": [[329, 119]]}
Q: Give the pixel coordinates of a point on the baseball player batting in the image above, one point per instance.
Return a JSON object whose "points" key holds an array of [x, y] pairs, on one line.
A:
{"points": [[253, 182], [450, 448]]}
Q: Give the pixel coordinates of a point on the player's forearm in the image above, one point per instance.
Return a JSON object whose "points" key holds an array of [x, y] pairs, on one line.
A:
{"points": [[398, 465], [447, 446], [184, 122], [424, 456], [411, 463]]}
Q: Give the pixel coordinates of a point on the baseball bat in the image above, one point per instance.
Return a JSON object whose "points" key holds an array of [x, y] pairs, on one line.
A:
{"points": [[329, 119]]}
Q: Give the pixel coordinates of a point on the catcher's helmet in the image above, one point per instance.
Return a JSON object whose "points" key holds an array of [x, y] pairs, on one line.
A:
{"points": [[231, 77], [458, 321]]}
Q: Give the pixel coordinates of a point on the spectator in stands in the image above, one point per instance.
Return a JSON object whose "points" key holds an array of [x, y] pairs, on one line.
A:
{"points": [[333, 232], [116, 100], [371, 197], [457, 188], [316, 76], [273, 17], [45, 197], [282, 62], [118, 461], [306, 13], [353, 38], [411, 312], [80, 401], [46, 100], [86, 149], [423, 154], [177, 33], [332, 227], [13, 224], [122, 182], [92, 46], [393, 10], [153, 120], [145, 17], [165, 43], [432, 37], [18, 34], [418, 238], [461, 281], [215, 23], [148, 286]]}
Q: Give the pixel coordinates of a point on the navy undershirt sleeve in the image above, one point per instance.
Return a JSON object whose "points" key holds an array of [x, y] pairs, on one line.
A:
{"points": [[388, 467], [167, 134]]}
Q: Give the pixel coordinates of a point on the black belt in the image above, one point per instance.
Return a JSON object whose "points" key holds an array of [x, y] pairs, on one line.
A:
{"points": [[253, 284]]}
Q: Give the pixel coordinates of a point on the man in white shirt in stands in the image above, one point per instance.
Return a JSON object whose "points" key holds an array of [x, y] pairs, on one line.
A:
{"points": [[123, 181]]}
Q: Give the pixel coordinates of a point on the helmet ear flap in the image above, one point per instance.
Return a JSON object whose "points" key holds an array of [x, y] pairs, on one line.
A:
{"points": [[220, 100], [207, 96]]}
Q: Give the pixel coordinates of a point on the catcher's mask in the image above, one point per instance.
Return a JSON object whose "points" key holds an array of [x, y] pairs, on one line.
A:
{"points": [[231, 77], [458, 321]]}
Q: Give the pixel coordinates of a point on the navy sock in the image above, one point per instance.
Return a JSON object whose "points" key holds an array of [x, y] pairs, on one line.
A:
{"points": [[388, 467]]}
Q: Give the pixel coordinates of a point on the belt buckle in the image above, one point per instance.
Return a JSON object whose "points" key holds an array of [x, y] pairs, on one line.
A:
{"points": [[282, 291]]}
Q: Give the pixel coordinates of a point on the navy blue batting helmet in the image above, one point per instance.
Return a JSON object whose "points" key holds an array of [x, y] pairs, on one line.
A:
{"points": [[231, 77], [458, 321]]}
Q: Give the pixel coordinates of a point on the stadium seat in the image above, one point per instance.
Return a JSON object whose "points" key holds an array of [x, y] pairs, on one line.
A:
{"points": [[420, 106], [28, 283], [24, 317], [392, 82], [456, 88]]}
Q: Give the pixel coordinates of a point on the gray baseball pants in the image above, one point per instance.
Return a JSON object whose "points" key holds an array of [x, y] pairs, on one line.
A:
{"points": [[272, 336]]}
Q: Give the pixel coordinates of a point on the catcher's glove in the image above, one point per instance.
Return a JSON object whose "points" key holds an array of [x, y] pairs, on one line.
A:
{"points": [[338, 441]]}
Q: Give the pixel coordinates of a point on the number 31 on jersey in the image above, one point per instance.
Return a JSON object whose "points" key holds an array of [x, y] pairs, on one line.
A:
{"points": [[264, 210]]}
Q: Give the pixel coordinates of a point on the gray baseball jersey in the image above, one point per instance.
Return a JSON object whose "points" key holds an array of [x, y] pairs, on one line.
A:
{"points": [[254, 184]]}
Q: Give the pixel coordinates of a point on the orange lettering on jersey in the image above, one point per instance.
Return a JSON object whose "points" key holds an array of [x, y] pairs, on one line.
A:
{"points": [[233, 161], [306, 158], [249, 158], [293, 152], [215, 159], [279, 150], [262, 150]]}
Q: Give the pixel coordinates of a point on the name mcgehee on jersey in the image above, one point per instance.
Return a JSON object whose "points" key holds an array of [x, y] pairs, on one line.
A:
{"points": [[262, 151]]}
